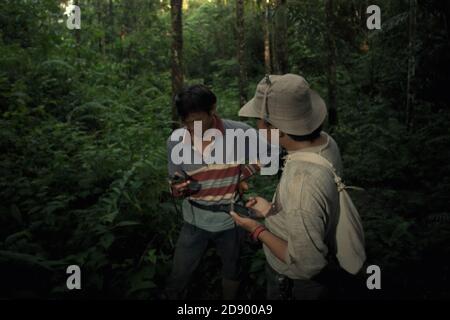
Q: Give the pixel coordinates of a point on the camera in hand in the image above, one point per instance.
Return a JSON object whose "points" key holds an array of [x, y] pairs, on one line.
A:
{"points": [[193, 186]]}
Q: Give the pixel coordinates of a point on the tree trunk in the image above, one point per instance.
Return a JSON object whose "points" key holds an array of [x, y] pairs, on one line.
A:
{"points": [[331, 44], [411, 63], [267, 56], [241, 51], [100, 17], [77, 31], [280, 38], [177, 53], [111, 36]]}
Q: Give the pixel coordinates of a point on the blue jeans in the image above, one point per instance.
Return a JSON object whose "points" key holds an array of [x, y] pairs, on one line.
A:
{"points": [[189, 250]]}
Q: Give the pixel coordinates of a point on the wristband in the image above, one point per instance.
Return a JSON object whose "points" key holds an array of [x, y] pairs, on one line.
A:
{"points": [[258, 233], [256, 230], [255, 234]]}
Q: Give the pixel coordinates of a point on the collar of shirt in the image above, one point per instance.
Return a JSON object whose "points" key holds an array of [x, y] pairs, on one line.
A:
{"points": [[217, 124], [317, 149]]}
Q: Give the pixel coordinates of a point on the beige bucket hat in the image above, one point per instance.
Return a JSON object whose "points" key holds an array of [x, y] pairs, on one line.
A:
{"points": [[288, 103]]}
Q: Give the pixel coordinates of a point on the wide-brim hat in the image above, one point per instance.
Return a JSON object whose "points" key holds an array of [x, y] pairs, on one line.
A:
{"points": [[288, 103]]}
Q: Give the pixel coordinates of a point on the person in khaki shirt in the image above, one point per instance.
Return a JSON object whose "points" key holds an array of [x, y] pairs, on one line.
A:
{"points": [[305, 208]]}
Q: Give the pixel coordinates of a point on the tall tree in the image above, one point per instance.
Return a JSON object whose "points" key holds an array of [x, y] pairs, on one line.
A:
{"points": [[77, 32], [411, 62], [331, 64], [177, 53], [280, 37], [111, 37], [241, 51], [99, 8], [267, 55]]}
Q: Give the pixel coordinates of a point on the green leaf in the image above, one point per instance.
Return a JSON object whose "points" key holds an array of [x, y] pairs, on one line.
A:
{"points": [[106, 240]]}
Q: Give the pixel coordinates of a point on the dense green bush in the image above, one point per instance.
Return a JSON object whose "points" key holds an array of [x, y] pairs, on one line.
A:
{"points": [[83, 125]]}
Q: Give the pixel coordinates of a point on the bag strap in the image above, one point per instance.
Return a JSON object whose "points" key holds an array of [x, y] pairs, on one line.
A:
{"points": [[316, 158]]}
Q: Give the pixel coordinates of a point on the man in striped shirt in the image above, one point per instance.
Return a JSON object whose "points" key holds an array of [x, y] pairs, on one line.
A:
{"points": [[215, 184]]}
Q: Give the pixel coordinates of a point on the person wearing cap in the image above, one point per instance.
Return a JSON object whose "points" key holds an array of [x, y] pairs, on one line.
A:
{"points": [[305, 207]]}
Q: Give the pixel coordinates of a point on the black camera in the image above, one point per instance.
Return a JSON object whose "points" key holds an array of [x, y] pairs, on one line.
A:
{"points": [[193, 186]]}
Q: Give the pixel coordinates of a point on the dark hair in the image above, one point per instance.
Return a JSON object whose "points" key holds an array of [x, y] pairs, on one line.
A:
{"points": [[309, 137], [196, 98]]}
